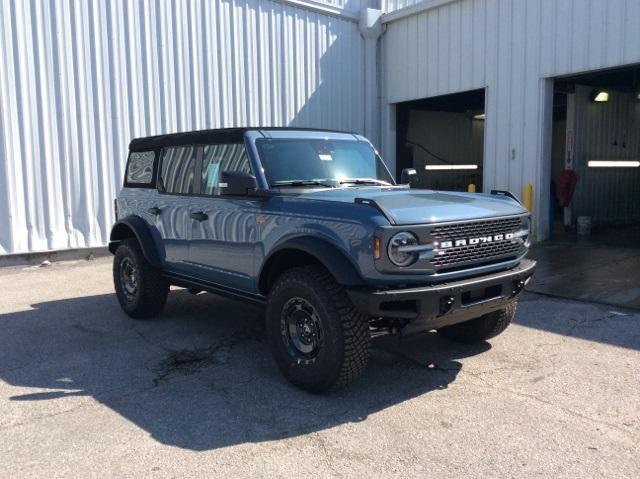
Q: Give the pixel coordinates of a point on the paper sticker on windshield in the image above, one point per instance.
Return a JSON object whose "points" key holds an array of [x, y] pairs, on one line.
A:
{"points": [[325, 157], [212, 174]]}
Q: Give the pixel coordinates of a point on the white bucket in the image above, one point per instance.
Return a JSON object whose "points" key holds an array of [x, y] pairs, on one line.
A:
{"points": [[584, 225]]}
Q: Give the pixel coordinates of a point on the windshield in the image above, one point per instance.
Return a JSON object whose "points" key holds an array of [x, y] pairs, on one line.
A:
{"points": [[303, 162]]}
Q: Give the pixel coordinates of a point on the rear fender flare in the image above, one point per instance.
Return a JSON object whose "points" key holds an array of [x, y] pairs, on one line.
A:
{"points": [[136, 226]]}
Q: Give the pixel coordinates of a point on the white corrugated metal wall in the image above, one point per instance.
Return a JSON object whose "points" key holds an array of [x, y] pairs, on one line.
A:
{"points": [[79, 79], [512, 48], [394, 5]]}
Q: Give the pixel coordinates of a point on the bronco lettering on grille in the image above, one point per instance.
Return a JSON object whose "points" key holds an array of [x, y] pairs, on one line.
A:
{"points": [[474, 241]]}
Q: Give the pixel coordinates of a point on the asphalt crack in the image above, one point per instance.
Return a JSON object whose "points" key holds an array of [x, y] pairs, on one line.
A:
{"points": [[566, 410], [579, 322]]}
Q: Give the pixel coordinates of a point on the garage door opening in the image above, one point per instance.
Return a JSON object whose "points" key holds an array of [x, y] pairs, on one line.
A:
{"points": [[594, 249], [443, 139], [595, 170]]}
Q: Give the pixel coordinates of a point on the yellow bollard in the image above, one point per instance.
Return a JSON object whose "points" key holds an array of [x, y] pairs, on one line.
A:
{"points": [[528, 196], [471, 188]]}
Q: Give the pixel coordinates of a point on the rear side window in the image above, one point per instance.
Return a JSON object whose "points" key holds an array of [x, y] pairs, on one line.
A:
{"points": [[219, 158], [140, 168], [177, 174]]}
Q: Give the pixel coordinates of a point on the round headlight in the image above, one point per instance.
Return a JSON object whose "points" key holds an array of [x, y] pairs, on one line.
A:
{"points": [[397, 250]]}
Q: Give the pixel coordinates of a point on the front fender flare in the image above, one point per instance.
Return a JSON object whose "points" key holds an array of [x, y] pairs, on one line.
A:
{"points": [[326, 253]]}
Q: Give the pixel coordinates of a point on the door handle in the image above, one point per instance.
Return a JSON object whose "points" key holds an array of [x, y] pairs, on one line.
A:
{"points": [[199, 216], [154, 210]]}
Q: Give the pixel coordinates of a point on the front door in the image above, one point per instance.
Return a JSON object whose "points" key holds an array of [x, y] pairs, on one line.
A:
{"points": [[223, 228]]}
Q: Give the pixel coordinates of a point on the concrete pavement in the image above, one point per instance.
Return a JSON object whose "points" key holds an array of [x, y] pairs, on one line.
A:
{"points": [[87, 392], [588, 272]]}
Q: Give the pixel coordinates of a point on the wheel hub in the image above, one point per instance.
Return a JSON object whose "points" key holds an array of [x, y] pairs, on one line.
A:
{"points": [[128, 278], [302, 330]]}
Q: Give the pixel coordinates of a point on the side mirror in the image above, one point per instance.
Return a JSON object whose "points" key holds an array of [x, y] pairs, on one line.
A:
{"points": [[237, 183], [407, 176]]}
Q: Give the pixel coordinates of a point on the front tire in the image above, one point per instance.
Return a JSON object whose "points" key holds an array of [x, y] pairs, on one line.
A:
{"points": [[482, 328], [140, 288], [317, 337]]}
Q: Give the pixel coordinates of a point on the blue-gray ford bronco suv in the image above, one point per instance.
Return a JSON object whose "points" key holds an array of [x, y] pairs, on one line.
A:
{"points": [[312, 225]]}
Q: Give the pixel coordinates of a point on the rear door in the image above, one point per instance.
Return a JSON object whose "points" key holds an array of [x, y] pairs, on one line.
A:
{"points": [[223, 228], [177, 182]]}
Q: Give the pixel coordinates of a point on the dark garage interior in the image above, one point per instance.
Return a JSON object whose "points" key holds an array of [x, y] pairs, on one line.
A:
{"points": [[443, 139], [596, 134], [594, 248]]}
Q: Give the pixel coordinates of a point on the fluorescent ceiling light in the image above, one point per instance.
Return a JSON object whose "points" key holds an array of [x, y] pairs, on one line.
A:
{"points": [[451, 167], [600, 96], [614, 164], [479, 117]]}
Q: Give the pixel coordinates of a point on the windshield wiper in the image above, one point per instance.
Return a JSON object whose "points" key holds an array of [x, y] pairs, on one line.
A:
{"points": [[328, 183], [365, 181]]}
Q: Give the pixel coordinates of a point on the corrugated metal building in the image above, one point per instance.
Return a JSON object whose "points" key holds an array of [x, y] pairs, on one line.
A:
{"points": [[79, 78], [513, 50]]}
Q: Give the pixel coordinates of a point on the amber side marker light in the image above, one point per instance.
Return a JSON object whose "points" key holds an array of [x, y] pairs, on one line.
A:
{"points": [[376, 247]]}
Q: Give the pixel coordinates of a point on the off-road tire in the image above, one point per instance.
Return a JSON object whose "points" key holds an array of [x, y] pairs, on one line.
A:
{"points": [[152, 289], [482, 328], [343, 352]]}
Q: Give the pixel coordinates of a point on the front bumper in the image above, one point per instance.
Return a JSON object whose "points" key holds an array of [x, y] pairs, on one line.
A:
{"points": [[435, 306]]}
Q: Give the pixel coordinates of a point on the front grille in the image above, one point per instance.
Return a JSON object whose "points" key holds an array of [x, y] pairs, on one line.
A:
{"points": [[479, 253], [476, 254], [475, 229]]}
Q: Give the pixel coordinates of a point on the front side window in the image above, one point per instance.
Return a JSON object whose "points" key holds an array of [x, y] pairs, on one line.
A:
{"points": [[219, 158], [178, 170], [140, 167], [318, 160]]}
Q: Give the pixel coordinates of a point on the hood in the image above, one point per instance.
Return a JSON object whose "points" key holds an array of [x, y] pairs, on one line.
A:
{"points": [[413, 206]]}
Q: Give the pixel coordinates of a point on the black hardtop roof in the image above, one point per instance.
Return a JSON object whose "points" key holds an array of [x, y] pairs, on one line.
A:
{"points": [[200, 137]]}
